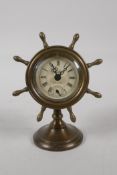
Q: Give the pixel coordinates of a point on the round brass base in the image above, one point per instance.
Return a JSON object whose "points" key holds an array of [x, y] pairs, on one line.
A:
{"points": [[58, 139]]}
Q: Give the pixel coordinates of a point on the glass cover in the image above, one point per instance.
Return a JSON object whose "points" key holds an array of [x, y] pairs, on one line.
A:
{"points": [[56, 78]]}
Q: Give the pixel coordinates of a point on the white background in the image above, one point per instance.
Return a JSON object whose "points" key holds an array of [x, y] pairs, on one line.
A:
{"points": [[20, 23]]}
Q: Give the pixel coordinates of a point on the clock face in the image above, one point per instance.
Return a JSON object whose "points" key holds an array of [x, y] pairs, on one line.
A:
{"points": [[56, 78]]}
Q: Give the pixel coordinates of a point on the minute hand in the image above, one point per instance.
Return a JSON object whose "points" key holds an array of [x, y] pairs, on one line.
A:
{"points": [[65, 68]]}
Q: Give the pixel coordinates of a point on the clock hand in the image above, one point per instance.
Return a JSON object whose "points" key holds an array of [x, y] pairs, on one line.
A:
{"points": [[54, 69], [57, 91], [65, 68], [57, 76]]}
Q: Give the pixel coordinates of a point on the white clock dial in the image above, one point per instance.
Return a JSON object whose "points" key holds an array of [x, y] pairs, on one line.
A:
{"points": [[56, 78]]}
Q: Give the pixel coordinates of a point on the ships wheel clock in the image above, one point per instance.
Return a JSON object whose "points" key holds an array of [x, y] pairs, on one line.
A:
{"points": [[57, 77]]}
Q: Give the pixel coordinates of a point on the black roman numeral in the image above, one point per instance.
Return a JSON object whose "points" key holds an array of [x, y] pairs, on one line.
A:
{"points": [[44, 69], [66, 65], [43, 76], [45, 84], [72, 77], [70, 70], [69, 84]]}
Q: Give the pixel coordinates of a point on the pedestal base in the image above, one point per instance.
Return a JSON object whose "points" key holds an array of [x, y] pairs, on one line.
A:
{"points": [[62, 138]]}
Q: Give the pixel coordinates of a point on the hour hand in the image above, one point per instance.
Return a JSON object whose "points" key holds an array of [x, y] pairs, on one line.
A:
{"points": [[53, 68]]}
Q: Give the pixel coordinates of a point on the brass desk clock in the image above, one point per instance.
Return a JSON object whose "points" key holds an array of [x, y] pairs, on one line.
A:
{"points": [[57, 77]]}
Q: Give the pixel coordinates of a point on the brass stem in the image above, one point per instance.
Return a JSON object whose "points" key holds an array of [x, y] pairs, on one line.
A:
{"points": [[96, 62], [57, 114], [19, 59], [57, 122]]}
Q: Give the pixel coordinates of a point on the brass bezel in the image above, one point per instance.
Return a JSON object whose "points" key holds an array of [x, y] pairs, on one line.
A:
{"points": [[84, 80]]}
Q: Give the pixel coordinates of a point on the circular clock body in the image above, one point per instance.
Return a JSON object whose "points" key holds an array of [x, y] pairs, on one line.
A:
{"points": [[57, 77]]}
